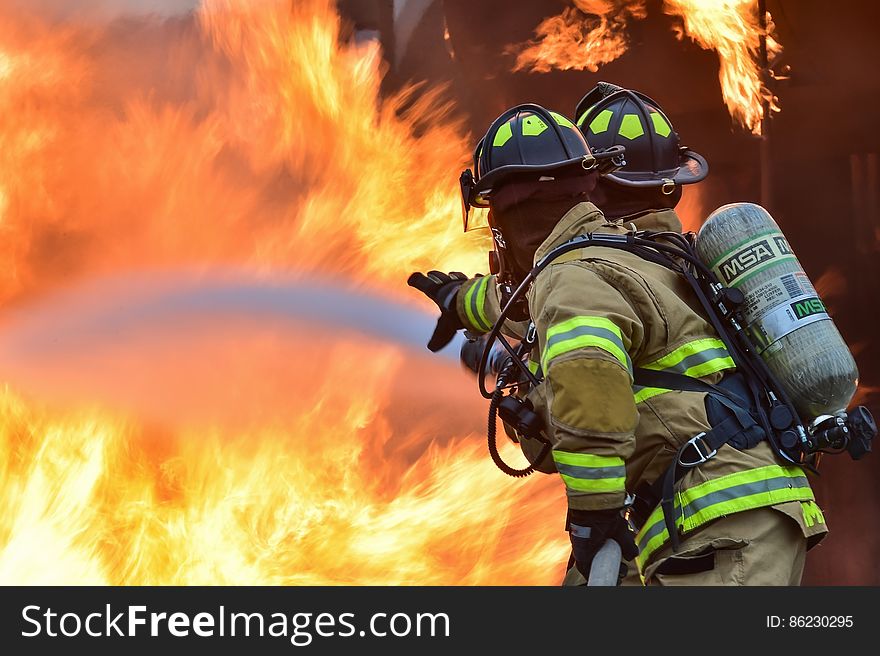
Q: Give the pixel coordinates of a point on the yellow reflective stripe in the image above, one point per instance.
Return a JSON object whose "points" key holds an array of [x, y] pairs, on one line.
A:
{"points": [[472, 304], [741, 504], [586, 459], [586, 472], [739, 478], [585, 341], [710, 367], [754, 488], [594, 484], [646, 393], [533, 366], [695, 359], [481, 303], [685, 351], [574, 322], [583, 332]]}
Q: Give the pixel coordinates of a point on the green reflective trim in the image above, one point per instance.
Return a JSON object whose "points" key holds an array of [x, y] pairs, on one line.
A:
{"points": [[481, 303], [562, 120], [583, 332], [695, 359], [532, 126], [504, 134], [660, 535], [599, 327], [591, 473], [685, 351], [587, 341], [644, 393], [594, 485], [533, 366], [631, 127], [471, 304], [747, 490], [710, 367], [586, 459], [599, 124], [584, 320], [749, 476], [746, 502], [661, 127]]}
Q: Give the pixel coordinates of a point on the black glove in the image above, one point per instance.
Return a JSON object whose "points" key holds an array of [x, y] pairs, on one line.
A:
{"points": [[590, 529], [442, 289]]}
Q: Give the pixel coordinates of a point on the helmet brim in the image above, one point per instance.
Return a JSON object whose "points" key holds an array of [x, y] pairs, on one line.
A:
{"points": [[692, 168], [597, 160]]}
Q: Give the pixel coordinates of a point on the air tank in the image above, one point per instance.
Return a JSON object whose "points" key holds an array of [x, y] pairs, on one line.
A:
{"points": [[786, 319]]}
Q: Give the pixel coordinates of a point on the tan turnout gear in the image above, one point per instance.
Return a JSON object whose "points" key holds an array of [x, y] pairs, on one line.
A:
{"points": [[600, 312]]}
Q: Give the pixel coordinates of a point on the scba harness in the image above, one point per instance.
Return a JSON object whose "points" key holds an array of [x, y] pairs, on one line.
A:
{"points": [[745, 408]]}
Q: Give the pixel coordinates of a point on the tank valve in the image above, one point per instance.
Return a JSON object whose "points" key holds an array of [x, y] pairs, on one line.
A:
{"points": [[853, 432]]}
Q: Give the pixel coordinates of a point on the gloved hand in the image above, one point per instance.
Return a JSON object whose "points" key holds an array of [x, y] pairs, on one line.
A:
{"points": [[442, 289], [589, 530]]}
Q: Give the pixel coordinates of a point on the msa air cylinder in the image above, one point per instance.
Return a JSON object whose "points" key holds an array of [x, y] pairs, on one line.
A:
{"points": [[785, 317]]}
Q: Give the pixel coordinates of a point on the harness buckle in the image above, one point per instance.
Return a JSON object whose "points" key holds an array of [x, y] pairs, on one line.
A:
{"points": [[702, 451]]}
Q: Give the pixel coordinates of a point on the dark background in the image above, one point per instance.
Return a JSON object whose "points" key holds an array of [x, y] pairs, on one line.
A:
{"points": [[821, 159]]}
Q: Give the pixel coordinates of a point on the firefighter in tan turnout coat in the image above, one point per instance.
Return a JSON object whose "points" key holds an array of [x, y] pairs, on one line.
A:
{"points": [[742, 517]]}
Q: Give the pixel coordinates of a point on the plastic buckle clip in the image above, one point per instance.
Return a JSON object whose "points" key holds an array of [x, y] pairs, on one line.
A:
{"points": [[703, 453]]}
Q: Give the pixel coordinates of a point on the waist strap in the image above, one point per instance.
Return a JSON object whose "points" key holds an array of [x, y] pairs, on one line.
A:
{"points": [[696, 451]]}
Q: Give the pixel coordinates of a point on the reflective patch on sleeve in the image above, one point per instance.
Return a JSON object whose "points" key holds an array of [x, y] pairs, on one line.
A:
{"points": [[474, 304], [584, 472], [585, 332]]}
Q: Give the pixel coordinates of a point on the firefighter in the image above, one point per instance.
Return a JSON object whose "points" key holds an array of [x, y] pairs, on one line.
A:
{"points": [[742, 517]]}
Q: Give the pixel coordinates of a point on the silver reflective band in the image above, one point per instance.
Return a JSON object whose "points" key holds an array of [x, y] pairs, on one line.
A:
{"points": [[580, 531]]}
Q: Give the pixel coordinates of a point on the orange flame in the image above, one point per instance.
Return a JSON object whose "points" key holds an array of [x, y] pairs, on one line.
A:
{"points": [[732, 29], [570, 41], [593, 34], [252, 138]]}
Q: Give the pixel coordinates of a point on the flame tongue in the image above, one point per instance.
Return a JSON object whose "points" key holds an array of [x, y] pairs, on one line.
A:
{"points": [[594, 34], [249, 138], [732, 29], [571, 41]]}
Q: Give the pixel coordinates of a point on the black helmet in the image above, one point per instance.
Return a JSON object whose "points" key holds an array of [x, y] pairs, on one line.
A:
{"points": [[610, 115], [528, 139]]}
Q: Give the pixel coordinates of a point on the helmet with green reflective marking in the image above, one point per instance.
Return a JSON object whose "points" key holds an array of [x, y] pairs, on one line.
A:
{"points": [[612, 116], [528, 140]]}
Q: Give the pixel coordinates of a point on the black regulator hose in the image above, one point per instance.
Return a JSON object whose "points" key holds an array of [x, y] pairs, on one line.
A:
{"points": [[493, 446]]}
